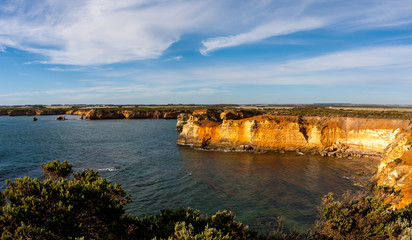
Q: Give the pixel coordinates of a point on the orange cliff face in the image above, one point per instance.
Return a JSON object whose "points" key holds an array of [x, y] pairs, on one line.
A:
{"points": [[395, 168], [388, 139], [273, 132]]}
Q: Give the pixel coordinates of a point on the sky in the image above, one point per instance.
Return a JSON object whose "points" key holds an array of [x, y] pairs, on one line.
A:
{"points": [[205, 52]]}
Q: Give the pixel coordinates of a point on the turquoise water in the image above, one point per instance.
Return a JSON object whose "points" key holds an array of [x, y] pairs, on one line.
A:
{"points": [[142, 156]]}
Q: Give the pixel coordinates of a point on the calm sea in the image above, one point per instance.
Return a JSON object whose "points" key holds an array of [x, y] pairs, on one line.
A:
{"points": [[142, 156]]}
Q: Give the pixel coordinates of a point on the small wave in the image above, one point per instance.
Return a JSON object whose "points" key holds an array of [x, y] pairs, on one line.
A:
{"points": [[107, 169]]}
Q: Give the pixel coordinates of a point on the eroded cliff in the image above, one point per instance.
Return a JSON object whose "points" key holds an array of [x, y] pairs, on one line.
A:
{"points": [[387, 139], [94, 114]]}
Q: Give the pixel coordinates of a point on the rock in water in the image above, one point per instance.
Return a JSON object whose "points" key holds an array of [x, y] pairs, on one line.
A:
{"points": [[34, 119], [61, 118]]}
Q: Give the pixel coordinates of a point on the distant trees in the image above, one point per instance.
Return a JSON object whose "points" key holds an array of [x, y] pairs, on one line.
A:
{"points": [[83, 205]]}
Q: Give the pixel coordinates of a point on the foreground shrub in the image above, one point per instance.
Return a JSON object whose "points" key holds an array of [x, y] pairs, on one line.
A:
{"points": [[365, 217], [86, 206], [55, 170], [90, 207]]}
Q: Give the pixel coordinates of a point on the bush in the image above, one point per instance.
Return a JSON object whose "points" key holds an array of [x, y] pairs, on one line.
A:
{"points": [[55, 170], [364, 217], [56, 208], [90, 207], [86, 206]]}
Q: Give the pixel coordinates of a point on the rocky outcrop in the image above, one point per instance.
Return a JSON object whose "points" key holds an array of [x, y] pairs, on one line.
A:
{"points": [[387, 139], [4, 112], [50, 112], [94, 114], [61, 118], [31, 112], [18, 112], [395, 168], [182, 120]]}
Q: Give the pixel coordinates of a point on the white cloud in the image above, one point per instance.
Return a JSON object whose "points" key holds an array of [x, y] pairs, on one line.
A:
{"points": [[307, 15], [176, 58], [95, 32], [367, 58], [99, 32], [276, 28], [60, 69], [383, 65]]}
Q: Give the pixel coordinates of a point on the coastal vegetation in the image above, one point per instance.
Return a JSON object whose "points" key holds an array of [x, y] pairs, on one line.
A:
{"points": [[83, 205], [297, 110]]}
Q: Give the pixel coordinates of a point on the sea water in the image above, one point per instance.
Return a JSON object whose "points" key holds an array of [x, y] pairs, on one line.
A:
{"points": [[142, 156]]}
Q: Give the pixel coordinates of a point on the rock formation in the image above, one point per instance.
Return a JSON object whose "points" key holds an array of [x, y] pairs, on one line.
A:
{"points": [[4, 112], [21, 112], [94, 114], [387, 139]]}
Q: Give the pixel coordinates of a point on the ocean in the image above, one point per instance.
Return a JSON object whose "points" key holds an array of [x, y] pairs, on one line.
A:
{"points": [[142, 156]]}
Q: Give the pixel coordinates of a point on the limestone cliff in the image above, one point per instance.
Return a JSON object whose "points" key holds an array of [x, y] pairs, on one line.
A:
{"points": [[388, 139], [395, 168], [31, 112], [93, 114]]}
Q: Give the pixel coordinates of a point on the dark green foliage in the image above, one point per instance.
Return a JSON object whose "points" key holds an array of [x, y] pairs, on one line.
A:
{"points": [[364, 217], [55, 170], [87, 206], [190, 223]]}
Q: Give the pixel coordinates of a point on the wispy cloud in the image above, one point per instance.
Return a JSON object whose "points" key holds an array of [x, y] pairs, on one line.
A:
{"points": [[98, 32], [276, 28], [60, 69], [366, 58], [382, 65], [176, 58], [374, 66], [310, 15], [89, 32]]}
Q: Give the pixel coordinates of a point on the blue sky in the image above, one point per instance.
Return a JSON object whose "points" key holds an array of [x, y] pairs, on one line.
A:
{"points": [[205, 52]]}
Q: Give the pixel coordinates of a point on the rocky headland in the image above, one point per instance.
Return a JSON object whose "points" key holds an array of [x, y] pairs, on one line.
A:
{"points": [[387, 139], [95, 114], [100, 113]]}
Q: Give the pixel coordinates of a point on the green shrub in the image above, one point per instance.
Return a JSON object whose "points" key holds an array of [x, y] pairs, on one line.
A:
{"points": [[90, 207], [55, 170], [364, 217], [86, 206]]}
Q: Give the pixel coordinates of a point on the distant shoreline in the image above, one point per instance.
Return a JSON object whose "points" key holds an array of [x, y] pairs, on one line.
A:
{"points": [[172, 111]]}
